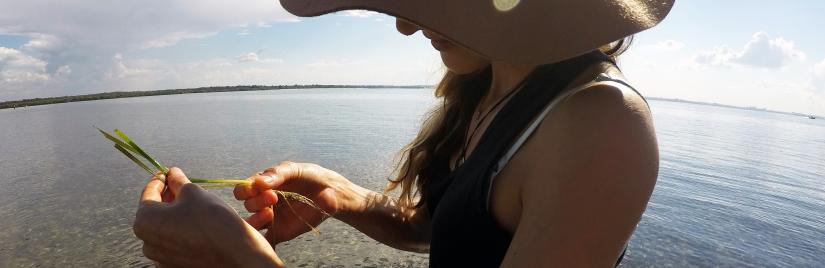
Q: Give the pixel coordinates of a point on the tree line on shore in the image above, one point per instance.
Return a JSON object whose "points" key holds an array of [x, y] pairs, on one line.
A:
{"points": [[130, 94]]}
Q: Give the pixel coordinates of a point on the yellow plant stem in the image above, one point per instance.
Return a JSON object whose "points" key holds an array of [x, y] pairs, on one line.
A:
{"points": [[221, 181]]}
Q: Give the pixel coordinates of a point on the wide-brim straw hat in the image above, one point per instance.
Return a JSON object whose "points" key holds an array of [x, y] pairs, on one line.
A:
{"points": [[518, 31]]}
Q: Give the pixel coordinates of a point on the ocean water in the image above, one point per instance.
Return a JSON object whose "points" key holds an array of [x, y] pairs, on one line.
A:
{"points": [[736, 188]]}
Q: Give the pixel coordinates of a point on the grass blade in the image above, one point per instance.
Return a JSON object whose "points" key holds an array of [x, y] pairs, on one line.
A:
{"points": [[134, 159], [141, 152], [116, 140], [303, 199], [294, 213], [129, 148]]}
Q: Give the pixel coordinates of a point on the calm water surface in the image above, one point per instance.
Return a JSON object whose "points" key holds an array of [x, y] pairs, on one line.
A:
{"points": [[736, 188]]}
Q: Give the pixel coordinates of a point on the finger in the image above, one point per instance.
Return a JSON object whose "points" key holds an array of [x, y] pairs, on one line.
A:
{"points": [[262, 219], [176, 180], [266, 181], [147, 219], [152, 192], [167, 196], [264, 200], [274, 177], [245, 191], [164, 257], [153, 253], [159, 176]]}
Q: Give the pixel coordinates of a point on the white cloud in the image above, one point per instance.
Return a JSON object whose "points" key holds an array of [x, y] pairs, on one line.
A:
{"points": [[13, 58], [42, 42], [253, 57], [760, 52], [248, 57], [358, 13], [204, 64], [63, 71], [721, 55], [173, 38], [244, 32], [764, 52], [335, 63], [123, 70], [668, 45], [141, 74], [290, 20], [17, 67], [262, 24], [23, 77]]}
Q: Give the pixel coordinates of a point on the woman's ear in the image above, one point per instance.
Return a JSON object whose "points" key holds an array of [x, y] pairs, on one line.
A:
{"points": [[405, 27]]}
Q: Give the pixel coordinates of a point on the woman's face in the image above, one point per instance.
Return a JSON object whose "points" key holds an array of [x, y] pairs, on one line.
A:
{"points": [[458, 59]]}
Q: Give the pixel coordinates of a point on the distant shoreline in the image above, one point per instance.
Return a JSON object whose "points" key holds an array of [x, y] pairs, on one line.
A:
{"points": [[734, 107], [132, 94]]}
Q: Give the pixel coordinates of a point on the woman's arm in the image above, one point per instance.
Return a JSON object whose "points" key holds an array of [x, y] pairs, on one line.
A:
{"points": [[374, 214], [384, 219], [582, 203]]}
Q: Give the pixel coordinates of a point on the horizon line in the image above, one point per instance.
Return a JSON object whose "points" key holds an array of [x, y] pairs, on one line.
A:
{"points": [[214, 89]]}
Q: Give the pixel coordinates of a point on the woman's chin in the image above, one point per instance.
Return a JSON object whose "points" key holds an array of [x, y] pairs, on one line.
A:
{"points": [[462, 67], [461, 61], [442, 45]]}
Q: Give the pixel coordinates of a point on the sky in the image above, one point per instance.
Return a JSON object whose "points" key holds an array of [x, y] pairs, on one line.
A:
{"points": [[757, 53]]}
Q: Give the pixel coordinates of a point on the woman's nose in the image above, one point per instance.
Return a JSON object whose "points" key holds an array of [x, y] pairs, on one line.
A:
{"points": [[405, 27]]}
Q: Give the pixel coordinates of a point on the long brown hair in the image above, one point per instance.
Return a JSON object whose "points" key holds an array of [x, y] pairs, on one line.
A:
{"points": [[443, 134]]}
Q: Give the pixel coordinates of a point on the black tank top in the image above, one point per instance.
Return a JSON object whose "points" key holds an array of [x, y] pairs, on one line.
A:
{"points": [[464, 232]]}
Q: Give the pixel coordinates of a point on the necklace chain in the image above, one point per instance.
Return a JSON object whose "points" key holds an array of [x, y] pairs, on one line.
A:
{"points": [[481, 120]]}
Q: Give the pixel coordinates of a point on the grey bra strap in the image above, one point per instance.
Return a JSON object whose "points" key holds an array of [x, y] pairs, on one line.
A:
{"points": [[601, 79]]}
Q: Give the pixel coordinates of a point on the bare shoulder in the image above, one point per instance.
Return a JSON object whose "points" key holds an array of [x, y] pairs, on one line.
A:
{"points": [[590, 169], [604, 126], [603, 102]]}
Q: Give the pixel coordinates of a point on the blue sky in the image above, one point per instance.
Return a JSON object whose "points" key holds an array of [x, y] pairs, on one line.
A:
{"points": [[747, 53]]}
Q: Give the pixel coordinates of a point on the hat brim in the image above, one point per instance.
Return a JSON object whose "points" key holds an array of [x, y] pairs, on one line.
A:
{"points": [[529, 32]]}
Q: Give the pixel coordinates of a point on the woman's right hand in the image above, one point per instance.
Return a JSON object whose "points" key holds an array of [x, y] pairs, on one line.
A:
{"points": [[329, 190]]}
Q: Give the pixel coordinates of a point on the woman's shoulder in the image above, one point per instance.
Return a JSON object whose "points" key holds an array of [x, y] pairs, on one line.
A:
{"points": [[609, 89], [596, 146], [607, 101], [604, 125], [602, 99], [587, 171]]}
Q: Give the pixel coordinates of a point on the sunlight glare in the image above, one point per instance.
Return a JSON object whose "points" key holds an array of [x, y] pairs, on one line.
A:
{"points": [[505, 5]]}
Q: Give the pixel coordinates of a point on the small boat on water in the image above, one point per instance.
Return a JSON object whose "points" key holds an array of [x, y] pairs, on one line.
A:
{"points": [[811, 117]]}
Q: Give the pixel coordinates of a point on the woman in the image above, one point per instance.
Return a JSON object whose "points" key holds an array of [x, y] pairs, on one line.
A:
{"points": [[539, 155]]}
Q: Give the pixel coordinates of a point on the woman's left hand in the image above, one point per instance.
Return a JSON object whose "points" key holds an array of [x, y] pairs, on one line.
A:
{"points": [[190, 227]]}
